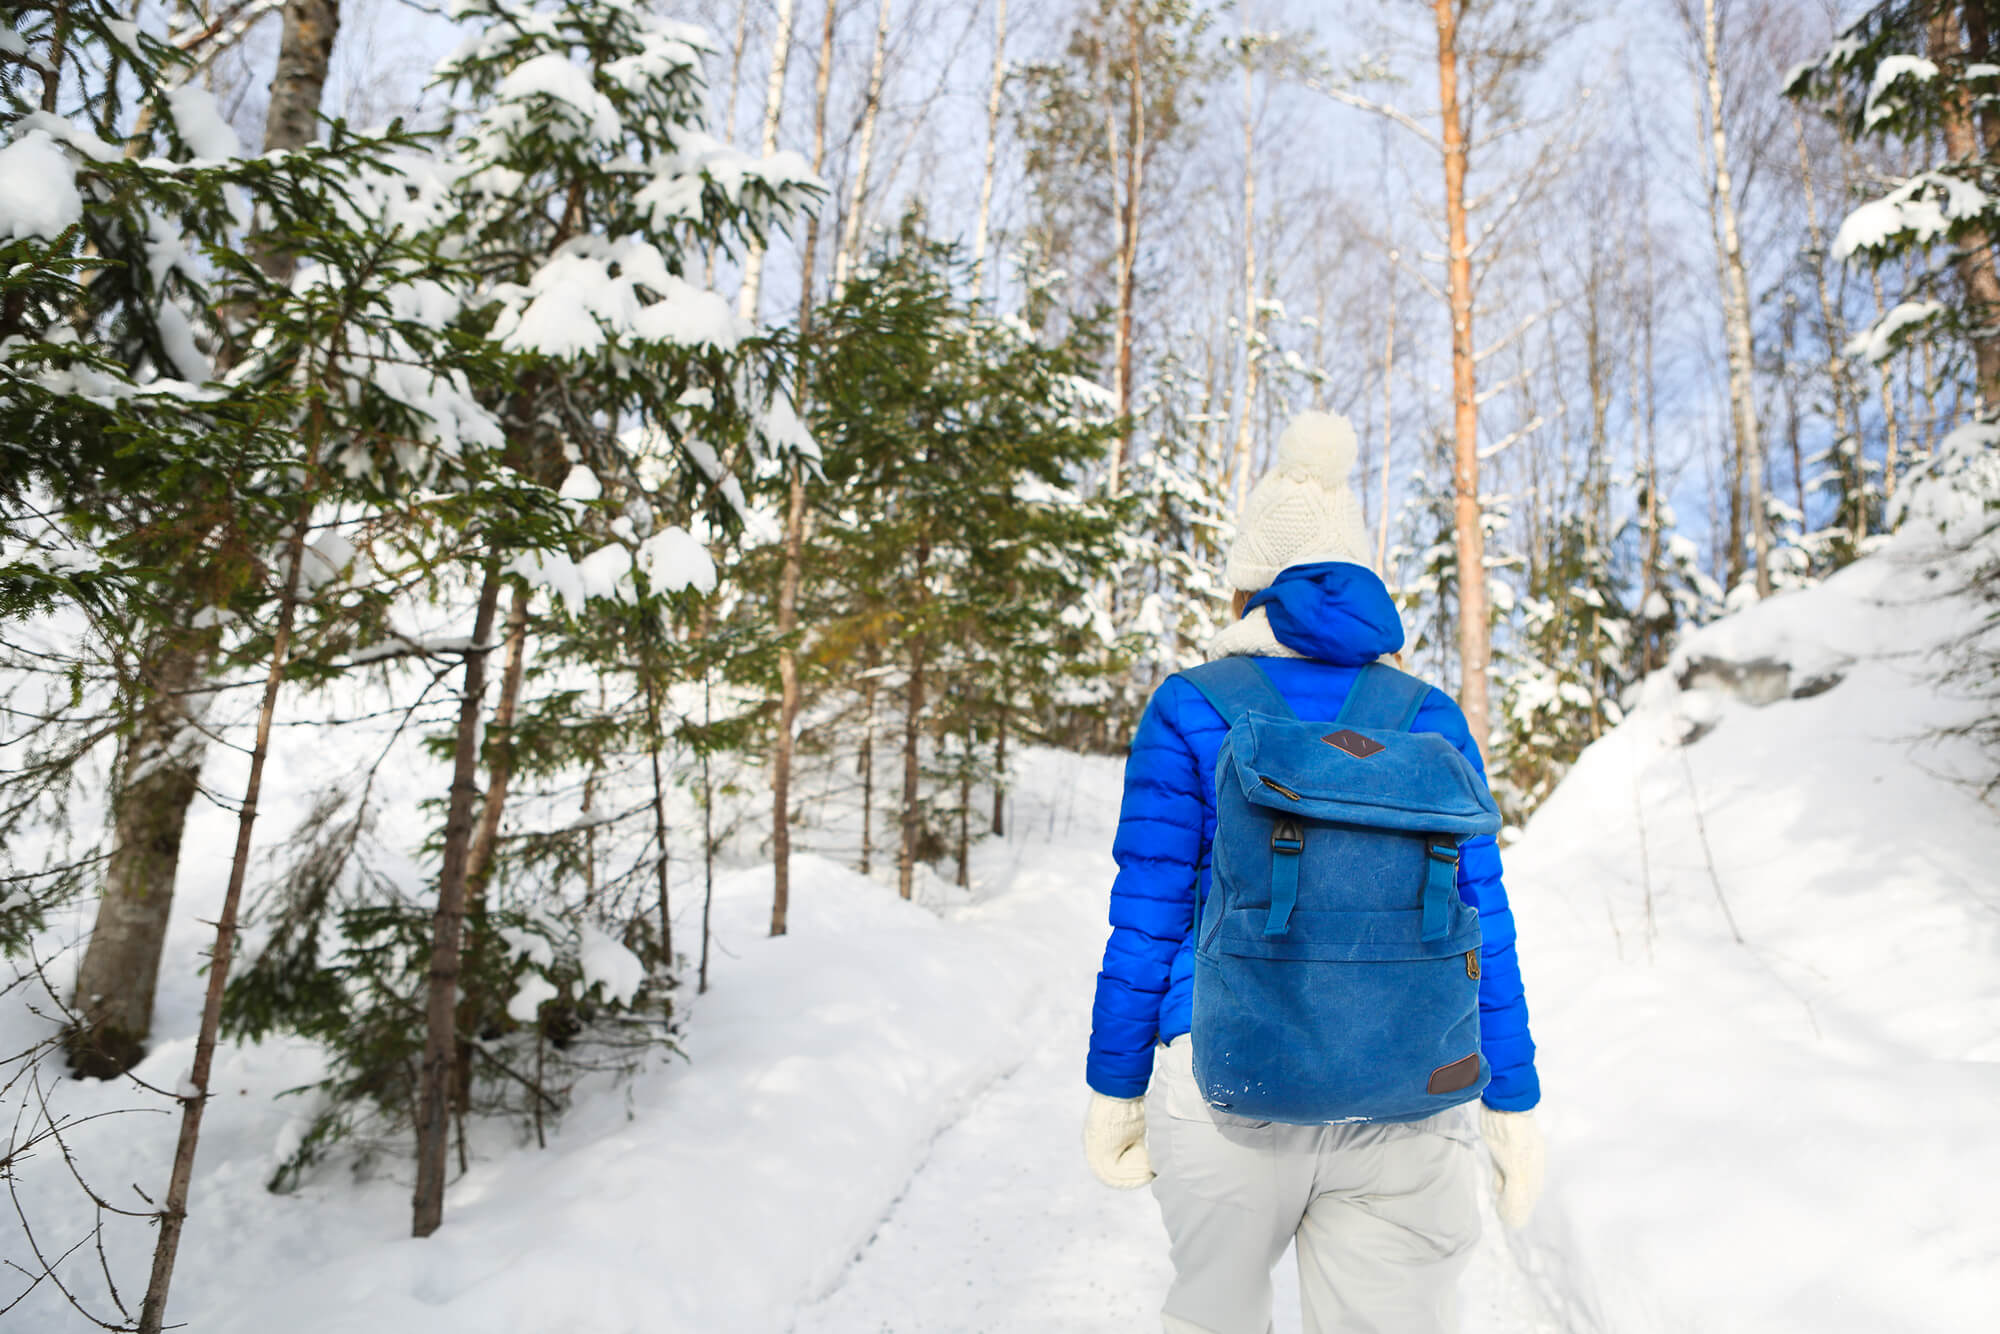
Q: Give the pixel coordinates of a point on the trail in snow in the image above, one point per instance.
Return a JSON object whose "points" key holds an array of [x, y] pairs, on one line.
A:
{"points": [[1002, 1228]]}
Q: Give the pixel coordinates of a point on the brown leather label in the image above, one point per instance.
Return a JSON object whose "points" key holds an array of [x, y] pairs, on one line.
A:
{"points": [[1458, 1075], [1355, 744]]}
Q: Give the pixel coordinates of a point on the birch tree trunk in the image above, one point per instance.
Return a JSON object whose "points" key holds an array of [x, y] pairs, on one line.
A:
{"points": [[1128, 242], [774, 105], [159, 769], [305, 49], [795, 511], [160, 762], [1388, 421], [1749, 464], [871, 107], [1473, 630], [980, 235], [728, 127], [447, 930], [1244, 432], [1834, 324]]}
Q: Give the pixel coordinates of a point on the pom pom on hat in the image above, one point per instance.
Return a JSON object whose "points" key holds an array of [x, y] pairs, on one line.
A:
{"points": [[1302, 510], [1317, 446]]}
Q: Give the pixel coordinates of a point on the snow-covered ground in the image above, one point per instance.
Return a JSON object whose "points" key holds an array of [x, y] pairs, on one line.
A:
{"points": [[876, 1126]]}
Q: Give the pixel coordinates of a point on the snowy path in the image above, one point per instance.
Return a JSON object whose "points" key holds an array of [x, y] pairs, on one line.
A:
{"points": [[1003, 1229]]}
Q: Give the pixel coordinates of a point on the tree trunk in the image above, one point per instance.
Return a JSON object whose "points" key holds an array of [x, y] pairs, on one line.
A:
{"points": [[1473, 631], [707, 832], [774, 105], [980, 235], [965, 811], [1000, 761], [305, 48], [1244, 432], [1128, 246], [868, 689], [795, 508], [1388, 421], [850, 226], [121, 966], [486, 834], [194, 1100], [500, 747], [1964, 142], [728, 127], [788, 701], [913, 717], [1845, 436], [158, 774], [655, 737], [440, 1036], [1891, 446], [1749, 463]]}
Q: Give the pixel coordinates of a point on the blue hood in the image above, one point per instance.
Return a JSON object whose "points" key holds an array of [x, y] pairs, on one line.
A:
{"points": [[1334, 611]]}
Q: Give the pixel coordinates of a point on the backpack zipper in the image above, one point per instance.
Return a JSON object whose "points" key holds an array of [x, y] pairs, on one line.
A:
{"points": [[1276, 786]]}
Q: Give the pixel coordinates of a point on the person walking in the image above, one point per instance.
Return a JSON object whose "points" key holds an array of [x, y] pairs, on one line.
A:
{"points": [[1288, 1126]]}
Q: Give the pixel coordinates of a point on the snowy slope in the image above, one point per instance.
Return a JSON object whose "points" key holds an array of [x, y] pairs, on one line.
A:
{"points": [[1793, 1130], [876, 1126]]}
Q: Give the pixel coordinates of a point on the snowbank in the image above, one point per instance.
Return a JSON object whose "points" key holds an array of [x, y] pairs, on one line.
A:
{"points": [[1791, 1130], [717, 1192]]}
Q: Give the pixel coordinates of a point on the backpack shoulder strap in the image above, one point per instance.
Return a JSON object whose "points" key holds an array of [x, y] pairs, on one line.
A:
{"points": [[1384, 698], [1236, 686]]}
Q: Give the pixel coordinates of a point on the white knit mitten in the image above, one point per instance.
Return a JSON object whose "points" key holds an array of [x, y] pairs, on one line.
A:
{"points": [[1515, 1142], [1114, 1140]]}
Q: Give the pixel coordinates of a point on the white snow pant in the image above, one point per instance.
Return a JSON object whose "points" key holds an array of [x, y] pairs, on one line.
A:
{"points": [[1384, 1215]]}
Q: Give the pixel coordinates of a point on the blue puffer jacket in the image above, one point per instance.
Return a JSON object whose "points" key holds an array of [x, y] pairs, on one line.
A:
{"points": [[1340, 617]]}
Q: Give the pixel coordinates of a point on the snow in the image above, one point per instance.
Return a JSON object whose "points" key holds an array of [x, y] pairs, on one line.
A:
{"points": [[609, 964], [1922, 210], [673, 560], [1891, 69], [594, 290], [876, 1121], [785, 434], [200, 123], [1791, 1131], [1878, 342], [580, 111], [581, 484], [41, 199], [177, 337]]}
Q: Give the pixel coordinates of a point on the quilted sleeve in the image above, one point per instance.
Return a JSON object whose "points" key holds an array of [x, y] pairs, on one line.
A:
{"points": [[1503, 1002], [1158, 851]]}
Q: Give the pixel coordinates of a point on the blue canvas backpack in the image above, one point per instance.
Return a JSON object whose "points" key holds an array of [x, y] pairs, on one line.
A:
{"points": [[1336, 973]]}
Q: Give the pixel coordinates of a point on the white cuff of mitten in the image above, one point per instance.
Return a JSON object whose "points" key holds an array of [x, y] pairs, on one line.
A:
{"points": [[1114, 1141], [1515, 1142]]}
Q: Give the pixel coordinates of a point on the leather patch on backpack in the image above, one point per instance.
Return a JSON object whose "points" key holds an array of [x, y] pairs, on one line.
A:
{"points": [[1355, 744], [1451, 1078]]}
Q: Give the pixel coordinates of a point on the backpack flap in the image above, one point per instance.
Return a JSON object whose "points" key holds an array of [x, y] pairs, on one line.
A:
{"points": [[1416, 782]]}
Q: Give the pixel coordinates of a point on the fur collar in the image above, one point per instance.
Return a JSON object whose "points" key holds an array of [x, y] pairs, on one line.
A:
{"points": [[1250, 637]]}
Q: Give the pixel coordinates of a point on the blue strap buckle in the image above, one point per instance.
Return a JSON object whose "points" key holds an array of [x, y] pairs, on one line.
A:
{"points": [[1438, 886], [1288, 840]]}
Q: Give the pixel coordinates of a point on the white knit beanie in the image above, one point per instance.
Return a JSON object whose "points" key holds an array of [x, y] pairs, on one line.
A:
{"points": [[1302, 510]]}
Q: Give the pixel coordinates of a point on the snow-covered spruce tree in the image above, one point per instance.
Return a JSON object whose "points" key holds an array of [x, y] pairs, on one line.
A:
{"points": [[1922, 73], [1180, 518], [1564, 666], [950, 539], [1926, 74], [584, 188], [183, 489]]}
